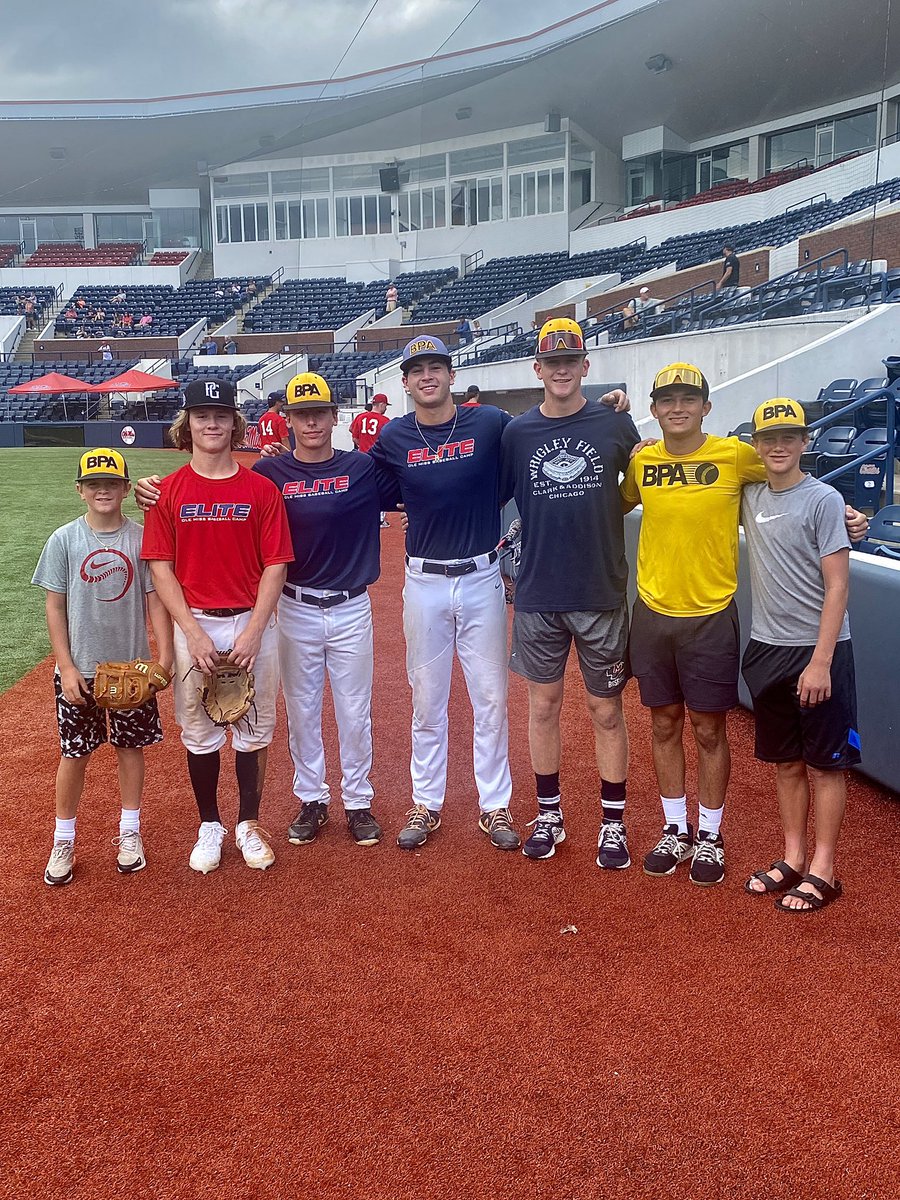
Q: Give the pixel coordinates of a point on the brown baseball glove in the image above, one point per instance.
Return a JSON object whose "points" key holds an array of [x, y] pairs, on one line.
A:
{"points": [[228, 693], [129, 684]]}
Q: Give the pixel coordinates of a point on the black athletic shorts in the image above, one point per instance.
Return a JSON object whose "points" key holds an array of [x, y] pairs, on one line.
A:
{"points": [[690, 660], [823, 736], [82, 727]]}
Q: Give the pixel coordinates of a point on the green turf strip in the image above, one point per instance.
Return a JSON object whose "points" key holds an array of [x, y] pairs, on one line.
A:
{"points": [[38, 495]]}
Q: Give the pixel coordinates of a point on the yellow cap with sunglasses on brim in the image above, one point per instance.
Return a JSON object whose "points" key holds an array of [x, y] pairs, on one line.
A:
{"points": [[680, 374], [559, 336]]}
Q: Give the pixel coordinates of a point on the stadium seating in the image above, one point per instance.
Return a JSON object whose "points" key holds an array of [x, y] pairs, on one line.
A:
{"points": [[37, 407], [341, 370], [173, 310], [883, 536], [167, 258], [8, 254], [64, 254], [9, 300]]}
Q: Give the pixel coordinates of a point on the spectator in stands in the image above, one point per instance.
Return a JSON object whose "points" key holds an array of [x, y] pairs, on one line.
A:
{"points": [[209, 346], [251, 288], [477, 330], [81, 303], [29, 312], [106, 352], [473, 394], [235, 289], [146, 319], [118, 298], [464, 331], [70, 314], [731, 274], [100, 314], [230, 346], [220, 291], [127, 320], [639, 304], [390, 297]]}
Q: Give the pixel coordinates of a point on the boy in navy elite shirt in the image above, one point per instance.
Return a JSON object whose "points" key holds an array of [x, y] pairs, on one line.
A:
{"points": [[445, 461], [562, 462], [324, 616]]}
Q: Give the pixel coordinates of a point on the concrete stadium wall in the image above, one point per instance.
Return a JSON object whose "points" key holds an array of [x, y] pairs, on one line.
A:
{"points": [[72, 278], [11, 330], [722, 354], [854, 350], [860, 239]]}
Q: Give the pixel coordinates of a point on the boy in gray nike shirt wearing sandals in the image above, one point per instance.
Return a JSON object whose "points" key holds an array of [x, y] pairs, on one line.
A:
{"points": [[798, 663]]}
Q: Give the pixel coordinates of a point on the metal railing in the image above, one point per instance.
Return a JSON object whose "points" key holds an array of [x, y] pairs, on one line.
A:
{"points": [[891, 394], [472, 261], [499, 335], [806, 203]]}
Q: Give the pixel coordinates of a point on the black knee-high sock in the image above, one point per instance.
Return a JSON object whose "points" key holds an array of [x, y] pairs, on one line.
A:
{"points": [[204, 772], [246, 766]]}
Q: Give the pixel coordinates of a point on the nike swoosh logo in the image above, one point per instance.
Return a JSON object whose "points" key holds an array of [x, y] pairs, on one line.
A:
{"points": [[761, 520]]}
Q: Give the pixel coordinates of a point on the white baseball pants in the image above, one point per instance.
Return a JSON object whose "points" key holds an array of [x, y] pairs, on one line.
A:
{"points": [[465, 614], [198, 733], [314, 641]]}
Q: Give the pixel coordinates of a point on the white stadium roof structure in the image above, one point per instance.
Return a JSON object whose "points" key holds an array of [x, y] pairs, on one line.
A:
{"points": [[725, 65]]}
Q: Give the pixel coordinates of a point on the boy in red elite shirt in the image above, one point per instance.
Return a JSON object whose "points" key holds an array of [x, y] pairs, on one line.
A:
{"points": [[365, 429], [272, 426], [218, 543]]}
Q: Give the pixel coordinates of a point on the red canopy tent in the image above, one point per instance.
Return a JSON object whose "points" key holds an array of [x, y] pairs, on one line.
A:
{"points": [[53, 384], [134, 381]]}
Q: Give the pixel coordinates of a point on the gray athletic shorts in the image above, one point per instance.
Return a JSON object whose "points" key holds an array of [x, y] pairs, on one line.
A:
{"points": [[541, 642]]}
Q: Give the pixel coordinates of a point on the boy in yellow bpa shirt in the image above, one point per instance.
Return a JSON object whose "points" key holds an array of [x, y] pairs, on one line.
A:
{"points": [[685, 640]]}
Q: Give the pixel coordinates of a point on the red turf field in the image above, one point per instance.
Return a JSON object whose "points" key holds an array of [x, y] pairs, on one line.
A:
{"points": [[372, 1023]]}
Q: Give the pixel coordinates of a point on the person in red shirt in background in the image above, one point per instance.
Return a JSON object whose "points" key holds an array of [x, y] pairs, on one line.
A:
{"points": [[473, 396], [365, 428], [218, 543], [272, 426]]}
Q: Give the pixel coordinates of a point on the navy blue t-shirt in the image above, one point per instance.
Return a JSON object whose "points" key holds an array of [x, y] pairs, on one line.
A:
{"points": [[449, 484], [333, 509], [564, 474]]}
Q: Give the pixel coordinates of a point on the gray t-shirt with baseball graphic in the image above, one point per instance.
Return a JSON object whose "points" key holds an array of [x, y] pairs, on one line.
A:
{"points": [[788, 534], [104, 582]]}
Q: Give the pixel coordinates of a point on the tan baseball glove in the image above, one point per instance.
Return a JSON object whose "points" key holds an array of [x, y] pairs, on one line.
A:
{"points": [[227, 693], [120, 685]]}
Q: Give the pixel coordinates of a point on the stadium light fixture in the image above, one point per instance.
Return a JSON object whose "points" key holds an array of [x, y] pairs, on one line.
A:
{"points": [[658, 63]]}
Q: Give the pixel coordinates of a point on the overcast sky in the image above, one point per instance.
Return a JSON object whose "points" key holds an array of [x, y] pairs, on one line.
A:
{"points": [[107, 49]]}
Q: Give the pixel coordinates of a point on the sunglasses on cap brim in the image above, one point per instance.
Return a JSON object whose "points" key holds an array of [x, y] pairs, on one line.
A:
{"points": [[560, 342], [688, 376]]}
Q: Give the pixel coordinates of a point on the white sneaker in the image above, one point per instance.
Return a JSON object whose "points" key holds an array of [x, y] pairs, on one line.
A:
{"points": [[131, 852], [251, 841], [207, 852], [60, 864]]}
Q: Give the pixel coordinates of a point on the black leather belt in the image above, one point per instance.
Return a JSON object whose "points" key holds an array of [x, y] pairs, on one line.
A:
{"points": [[452, 570], [223, 612], [321, 601]]}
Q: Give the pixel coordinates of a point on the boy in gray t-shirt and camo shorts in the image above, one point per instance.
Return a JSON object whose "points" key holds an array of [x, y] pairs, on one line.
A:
{"points": [[99, 595], [798, 663]]}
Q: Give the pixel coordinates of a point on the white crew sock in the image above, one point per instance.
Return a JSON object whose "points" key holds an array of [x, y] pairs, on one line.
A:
{"points": [[65, 830], [710, 819], [675, 811], [130, 819]]}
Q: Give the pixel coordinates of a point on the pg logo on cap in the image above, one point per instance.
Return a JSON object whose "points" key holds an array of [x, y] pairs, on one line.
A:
{"points": [[102, 463]]}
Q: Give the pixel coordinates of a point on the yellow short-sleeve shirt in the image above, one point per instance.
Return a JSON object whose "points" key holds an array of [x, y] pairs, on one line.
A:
{"points": [[688, 548]]}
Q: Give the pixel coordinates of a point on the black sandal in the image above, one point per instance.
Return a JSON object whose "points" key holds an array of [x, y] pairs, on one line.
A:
{"points": [[790, 879], [829, 895]]}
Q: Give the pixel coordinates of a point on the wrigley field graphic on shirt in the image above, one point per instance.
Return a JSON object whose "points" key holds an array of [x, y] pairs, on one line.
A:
{"points": [[676, 474], [565, 467]]}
